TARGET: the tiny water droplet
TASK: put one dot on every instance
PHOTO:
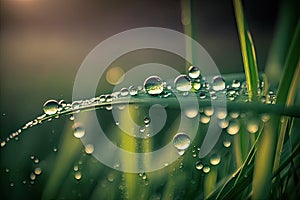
(199, 165)
(252, 125)
(124, 92)
(181, 141)
(206, 169)
(89, 149)
(50, 107)
(208, 111)
(153, 85)
(77, 175)
(133, 90)
(75, 168)
(215, 159)
(38, 171)
(196, 84)
(218, 83)
(236, 84)
(194, 72)
(78, 130)
(226, 143)
(147, 120)
(265, 117)
(204, 119)
(183, 83)
(32, 176)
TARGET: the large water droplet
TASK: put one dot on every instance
(218, 83)
(153, 85)
(183, 83)
(194, 72)
(181, 141)
(78, 130)
(50, 107)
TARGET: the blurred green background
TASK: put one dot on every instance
(43, 43)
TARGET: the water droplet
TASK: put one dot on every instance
(234, 115)
(236, 84)
(133, 90)
(233, 127)
(32, 176)
(3, 143)
(252, 125)
(6, 170)
(196, 84)
(221, 113)
(181, 141)
(191, 112)
(223, 123)
(124, 92)
(265, 117)
(202, 95)
(153, 85)
(204, 119)
(183, 83)
(199, 165)
(89, 149)
(50, 107)
(36, 160)
(208, 111)
(38, 171)
(206, 169)
(75, 168)
(226, 143)
(194, 72)
(215, 159)
(218, 83)
(78, 130)
(147, 120)
(77, 175)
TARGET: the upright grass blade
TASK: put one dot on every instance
(266, 157)
(248, 51)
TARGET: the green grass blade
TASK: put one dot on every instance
(266, 156)
(248, 51)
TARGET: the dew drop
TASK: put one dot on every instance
(252, 125)
(124, 92)
(265, 117)
(236, 84)
(204, 119)
(153, 85)
(233, 127)
(77, 175)
(199, 165)
(183, 83)
(218, 83)
(89, 149)
(215, 159)
(191, 112)
(226, 143)
(181, 141)
(194, 72)
(208, 111)
(50, 107)
(32, 176)
(75, 168)
(133, 90)
(78, 130)
(38, 171)
(147, 120)
(196, 84)
(206, 169)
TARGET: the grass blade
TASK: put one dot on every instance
(248, 51)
